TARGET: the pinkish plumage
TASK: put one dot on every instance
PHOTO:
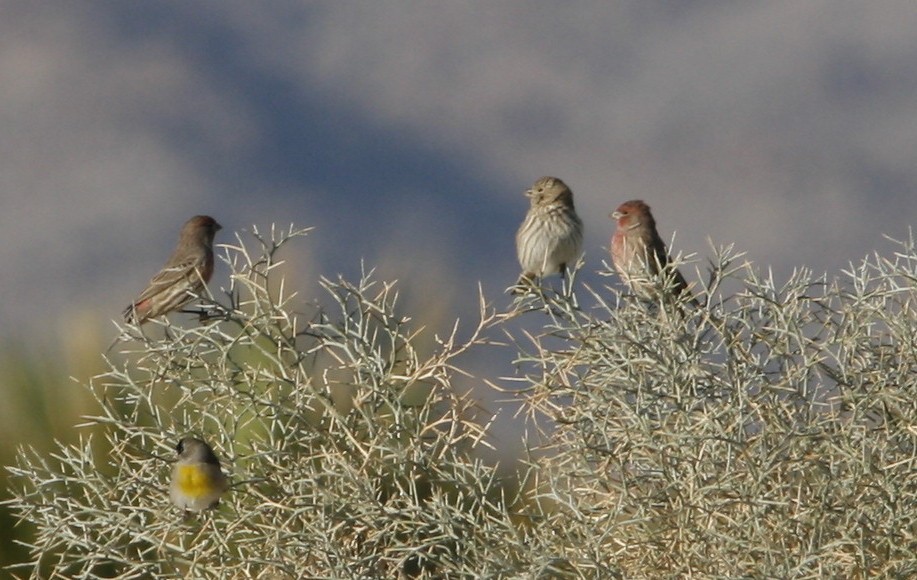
(639, 254)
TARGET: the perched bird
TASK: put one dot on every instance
(183, 277)
(551, 237)
(640, 255)
(197, 480)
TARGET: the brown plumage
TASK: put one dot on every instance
(550, 239)
(639, 254)
(183, 277)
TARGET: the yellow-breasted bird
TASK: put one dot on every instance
(198, 482)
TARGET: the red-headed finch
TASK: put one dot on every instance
(551, 238)
(183, 277)
(640, 255)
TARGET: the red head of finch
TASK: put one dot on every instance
(639, 254)
(550, 239)
(184, 276)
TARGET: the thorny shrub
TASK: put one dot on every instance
(770, 432)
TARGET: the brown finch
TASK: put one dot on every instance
(184, 276)
(640, 255)
(551, 238)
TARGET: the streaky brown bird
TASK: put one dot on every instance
(184, 276)
(550, 239)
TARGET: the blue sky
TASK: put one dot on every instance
(406, 132)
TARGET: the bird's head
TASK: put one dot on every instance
(633, 213)
(202, 228)
(550, 190)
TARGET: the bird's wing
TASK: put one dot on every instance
(660, 255)
(171, 274)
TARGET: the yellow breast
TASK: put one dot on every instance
(195, 480)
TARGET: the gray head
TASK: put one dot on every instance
(194, 450)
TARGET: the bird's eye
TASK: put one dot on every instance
(180, 447)
(540, 190)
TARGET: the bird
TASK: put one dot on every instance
(184, 276)
(198, 482)
(639, 254)
(550, 238)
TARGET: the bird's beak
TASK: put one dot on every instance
(615, 215)
(528, 193)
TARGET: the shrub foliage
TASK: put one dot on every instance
(769, 433)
